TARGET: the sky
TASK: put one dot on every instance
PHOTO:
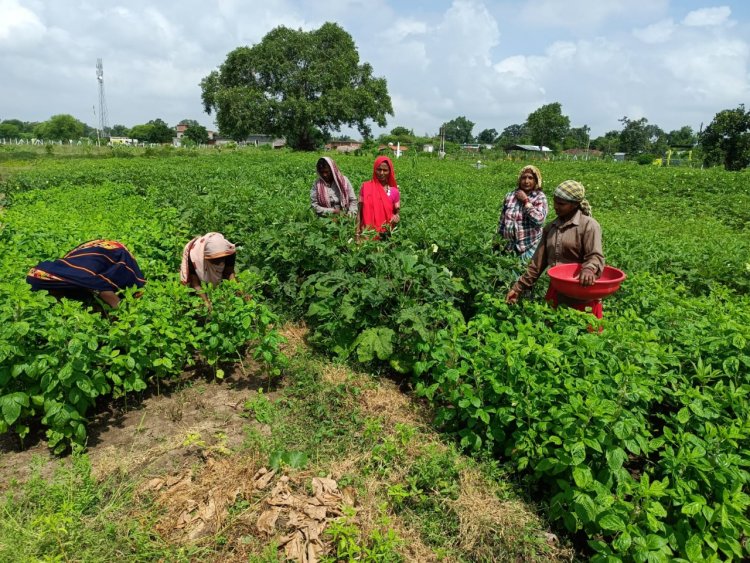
(673, 62)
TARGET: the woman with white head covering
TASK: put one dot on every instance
(207, 259)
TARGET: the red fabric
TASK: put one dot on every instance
(596, 306)
(377, 207)
(391, 177)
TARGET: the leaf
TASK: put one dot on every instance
(622, 542)
(694, 548)
(655, 543)
(546, 464)
(274, 461)
(374, 342)
(578, 453)
(585, 507)
(11, 406)
(615, 458)
(582, 477)
(683, 415)
(612, 522)
(692, 508)
(296, 460)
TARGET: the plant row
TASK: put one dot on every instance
(59, 358)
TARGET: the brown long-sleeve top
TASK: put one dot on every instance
(579, 239)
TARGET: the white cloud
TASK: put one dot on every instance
(19, 25)
(707, 17)
(714, 71)
(493, 61)
(404, 28)
(583, 14)
(659, 32)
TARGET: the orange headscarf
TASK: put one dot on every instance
(377, 208)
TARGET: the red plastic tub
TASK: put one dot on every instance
(564, 278)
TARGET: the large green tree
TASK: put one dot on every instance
(402, 132)
(634, 137)
(684, 136)
(61, 127)
(296, 84)
(727, 139)
(119, 131)
(155, 131)
(161, 132)
(516, 134)
(487, 136)
(547, 125)
(609, 143)
(9, 131)
(197, 133)
(577, 138)
(458, 130)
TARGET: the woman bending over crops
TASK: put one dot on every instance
(522, 218)
(332, 192)
(207, 259)
(97, 268)
(379, 199)
(573, 237)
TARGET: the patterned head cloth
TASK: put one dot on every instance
(570, 190)
(200, 251)
(535, 171)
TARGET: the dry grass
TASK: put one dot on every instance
(491, 528)
(195, 509)
(295, 335)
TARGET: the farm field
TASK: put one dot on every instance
(635, 440)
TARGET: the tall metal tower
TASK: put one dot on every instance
(103, 117)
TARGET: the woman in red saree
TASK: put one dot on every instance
(379, 199)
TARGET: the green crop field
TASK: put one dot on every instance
(636, 438)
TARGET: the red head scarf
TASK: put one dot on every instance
(377, 208)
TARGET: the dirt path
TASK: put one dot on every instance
(162, 433)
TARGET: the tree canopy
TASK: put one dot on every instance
(684, 136)
(547, 125)
(401, 132)
(197, 134)
(155, 131)
(9, 131)
(458, 130)
(577, 138)
(61, 127)
(296, 84)
(727, 139)
(487, 136)
(514, 135)
(119, 131)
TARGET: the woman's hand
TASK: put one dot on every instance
(587, 277)
(512, 297)
(395, 219)
(522, 196)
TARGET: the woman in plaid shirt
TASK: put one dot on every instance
(524, 211)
